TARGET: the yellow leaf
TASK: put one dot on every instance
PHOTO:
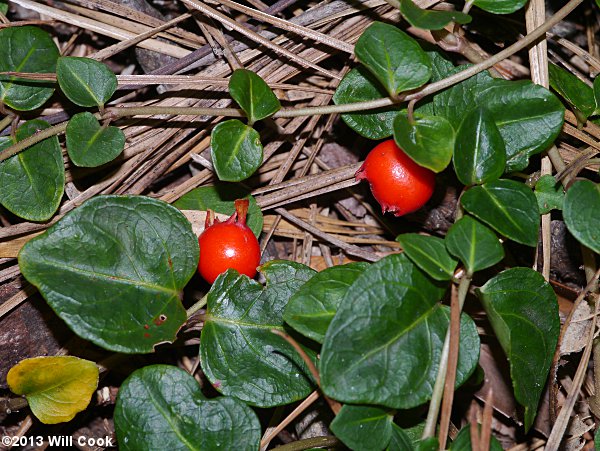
(56, 388)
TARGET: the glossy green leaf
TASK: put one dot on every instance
(581, 212)
(359, 85)
(86, 82)
(528, 116)
(236, 150)
(596, 96)
(550, 194)
(384, 343)
(162, 407)
(453, 103)
(113, 269)
(400, 440)
(220, 198)
(311, 309)
(523, 311)
(474, 244)
(57, 388)
(26, 49)
(239, 354)
(462, 442)
(572, 89)
(365, 428)
(253, 95)
(500, 6)
(33, 181)
(89, 144)
(430, 19)
(393, 57)
(507, 206)
(428, 253)
(3, 6)
(429, 141)
(428, 444)
(479, 152)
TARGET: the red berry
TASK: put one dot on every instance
(399, 184)
(228, 245)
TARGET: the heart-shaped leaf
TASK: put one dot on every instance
(474, 244)
(500, 6)
(33, 181)
(86, 82)
(507, 206)
(26, 49)
(428, 140)
(572, 89)
(253, 95)
(479, 153)
(429, 19)
(400, 440)
(239, 354)
(581, 212)
(428, 253)
(523, 311)
(113, 270)
(360, 85)
(162, 407)
(311, 308)
(550, 194)
(57, 388)
(89, 144)
(220, 198)
(236, 150)
(385, 341)
(528, 116)
(365, 428)
(393, 57)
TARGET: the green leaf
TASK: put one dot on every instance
(86, 82)
(523, 311)
(162, 407)
(462, 442)
(57, 388)
(253, 95)
(384, 343)
(3, 6)
(363, 427)
(479, 152)
(26, 49)
(400, 440)
(236, 150)
(90, 145)
(220, 198)
(311, 309)
(507, 206)
(359, 85)
(596, 96)
(393, 57)
(428, 444)
(528, 116)
(572, 89)
(113, 269)
(430, 19)
(597, 435)
(33, 181)
(239, 354)
(581, 212)
(474, 244)
(428, 253)
(429, 141)
(500, 6)
(550, 194)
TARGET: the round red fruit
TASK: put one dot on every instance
(399, 184)
(228, 245)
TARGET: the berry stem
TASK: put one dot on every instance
(241, 210)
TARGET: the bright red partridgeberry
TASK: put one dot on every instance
(399, 184)
(228, 245)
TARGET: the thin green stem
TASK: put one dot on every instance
(308, 443)
(438, 388)
(6, 122)
(31, 140)
(197, 306)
